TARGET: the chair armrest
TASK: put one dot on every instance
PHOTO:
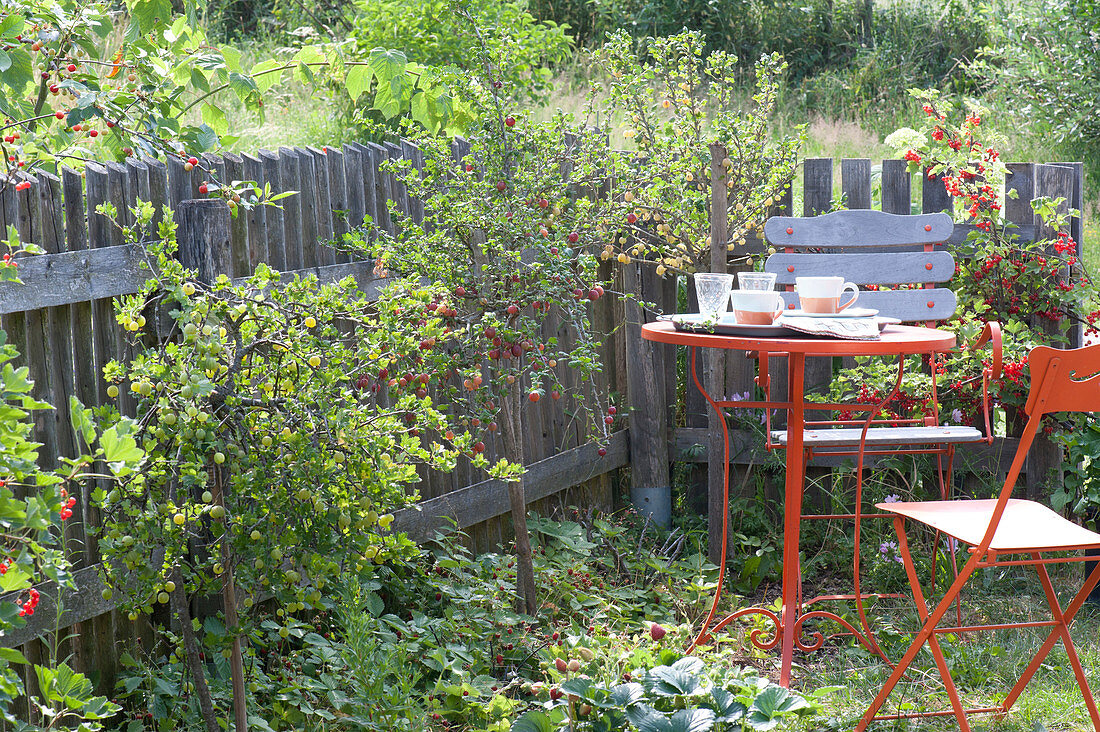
(991, 334)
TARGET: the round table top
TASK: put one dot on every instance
(894, 339)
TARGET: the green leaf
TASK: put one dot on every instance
(5, 61)
(648, 719)
(242, 85)
(11, 655)
(358, 80)
(624, 695)
(534, 721)
(692, 720)
(19, 71)
(375, 604)
(672, 681)
(120, 451)
(580, 686)
(771, 705)
(264, 75)
(11, 25)
(387, 65)
(232, 58)
(149, 15)
(16, 578)
(215, 117)
(81, 419)
(726, 706)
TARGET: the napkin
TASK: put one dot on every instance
(855, 329)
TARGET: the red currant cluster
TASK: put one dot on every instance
(67, 509)
(27, 609)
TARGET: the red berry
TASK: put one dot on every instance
(59, 115)
(609, 419)
(573, 237)
(631, 218)
(193, 160)
(501, 185)
(561, 665)
(110, 124)
(479, 447)
(534, 396)
(543, 203)
(469, 167)
(513, 309)
(555, 394)
(77, 128)
(602, 451)
(93, 133)
(593, 295)
(54, 88)
(510, 121)
(612, 410)
(71, 68)
(203, 189)
(656, 632)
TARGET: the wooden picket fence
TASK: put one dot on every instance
(62, 320)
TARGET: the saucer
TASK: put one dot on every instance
(846, 313)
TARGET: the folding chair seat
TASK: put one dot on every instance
(1006, 532)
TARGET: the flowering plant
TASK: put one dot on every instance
(1038, 289)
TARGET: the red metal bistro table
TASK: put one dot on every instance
(895, 340)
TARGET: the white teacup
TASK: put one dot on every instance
(756, 307)
(822, 294)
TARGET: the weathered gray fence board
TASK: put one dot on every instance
(233, 170)
(290, 179)
(855, 182)
(275, 215)
(252, 168)
(338, 198)
(897, 195)
(322, 212)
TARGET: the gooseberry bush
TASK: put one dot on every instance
(509, 228)
(677, 101)
(283, 423)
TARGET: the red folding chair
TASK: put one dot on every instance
(1007, 532)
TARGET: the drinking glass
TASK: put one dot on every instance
(713, 291)
(756, 280)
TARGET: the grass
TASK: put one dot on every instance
(984, 665)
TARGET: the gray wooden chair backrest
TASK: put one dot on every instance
(869, 247)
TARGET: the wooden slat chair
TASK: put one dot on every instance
(1002, 533)
(872, 248)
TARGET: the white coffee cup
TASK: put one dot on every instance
(822, 294)
(756, 307)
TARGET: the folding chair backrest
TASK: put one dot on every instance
(873, 248)
(1063, 380)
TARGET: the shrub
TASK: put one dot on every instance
(438, 33)
(283, 423)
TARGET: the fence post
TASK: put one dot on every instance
(203, 237)
(714, 362)
(650, 485)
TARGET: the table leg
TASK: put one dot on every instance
(792, 512)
